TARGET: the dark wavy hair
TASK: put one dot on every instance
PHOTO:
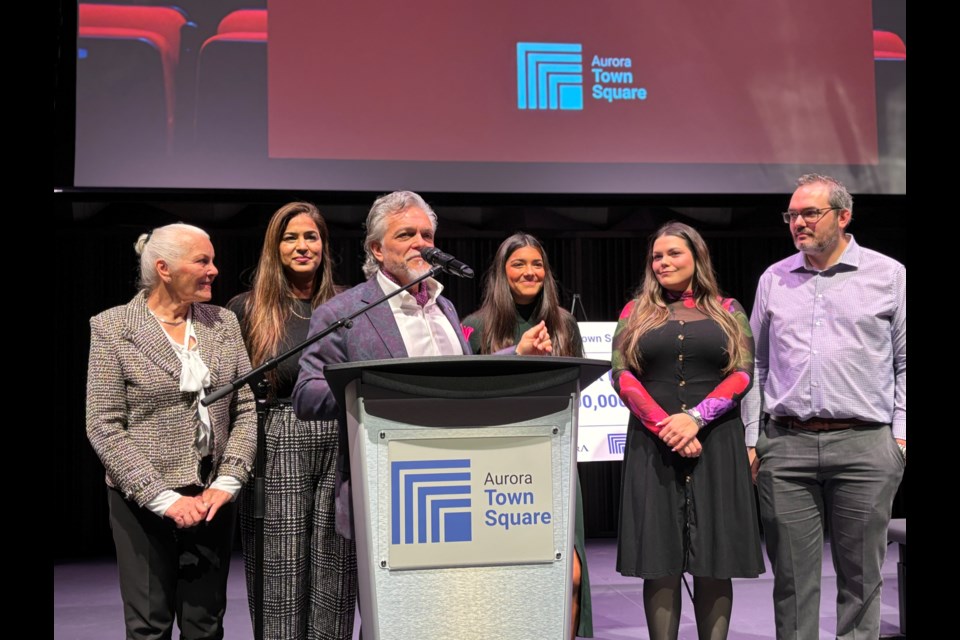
(271, 300)
(498, 312)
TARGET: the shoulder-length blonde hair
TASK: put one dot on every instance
(650, 309)
(271, 300)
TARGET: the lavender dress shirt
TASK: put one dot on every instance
(831, 343)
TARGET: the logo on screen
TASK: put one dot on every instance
(617, 442)
(549, 76)
(430, 501)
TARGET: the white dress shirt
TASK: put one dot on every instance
(426, 331)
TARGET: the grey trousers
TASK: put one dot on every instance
(845, 480)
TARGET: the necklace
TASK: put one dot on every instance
(172, 323)
(293, 310)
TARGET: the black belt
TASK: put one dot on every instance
(821, 424)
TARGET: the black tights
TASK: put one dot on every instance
(712, 603)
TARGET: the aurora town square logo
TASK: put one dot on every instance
(549, 76)
(430, 501)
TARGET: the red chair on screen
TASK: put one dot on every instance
(888, 46)
(120, 35)
(244, 21)
(231, 111)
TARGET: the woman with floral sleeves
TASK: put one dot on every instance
(682, 359)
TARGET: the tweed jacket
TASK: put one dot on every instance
(374, 336)
(140, 423)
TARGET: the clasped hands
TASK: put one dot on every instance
(535, 341)
(679, 432)
(190, 511)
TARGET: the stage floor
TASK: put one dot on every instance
(87, 601)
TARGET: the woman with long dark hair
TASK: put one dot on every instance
(682, 359)
(309, 570)
(519, 293)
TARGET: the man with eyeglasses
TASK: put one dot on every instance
(826, 419)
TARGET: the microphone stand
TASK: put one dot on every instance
(261, 392)
(258, 384)
(574, 304)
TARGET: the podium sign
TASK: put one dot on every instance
(471, 502)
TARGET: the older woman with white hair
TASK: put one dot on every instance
(173, 466)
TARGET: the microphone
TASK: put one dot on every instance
(445, 261)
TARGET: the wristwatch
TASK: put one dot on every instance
(693, 413)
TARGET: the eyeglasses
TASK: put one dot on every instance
(809, 216)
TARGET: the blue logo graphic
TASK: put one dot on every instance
(616, 442)
(430, 501)
(549, 76)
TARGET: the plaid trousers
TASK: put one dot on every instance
(309, 570)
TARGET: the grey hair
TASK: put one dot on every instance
(163, 243)
(839, 196)
(377, 222)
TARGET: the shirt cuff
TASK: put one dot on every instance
(229, 484)
(162, 502)
(751, 434)
(900, 431)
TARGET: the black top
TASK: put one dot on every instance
(473, 328)
(295, 332)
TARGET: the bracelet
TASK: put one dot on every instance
(693, 413)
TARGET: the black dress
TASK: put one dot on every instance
(694, 515)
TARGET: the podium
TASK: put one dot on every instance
(462, 479)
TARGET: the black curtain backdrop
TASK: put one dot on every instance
(596, 246)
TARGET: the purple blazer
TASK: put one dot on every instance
(374, 336)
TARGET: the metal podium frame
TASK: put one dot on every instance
(465, 403)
